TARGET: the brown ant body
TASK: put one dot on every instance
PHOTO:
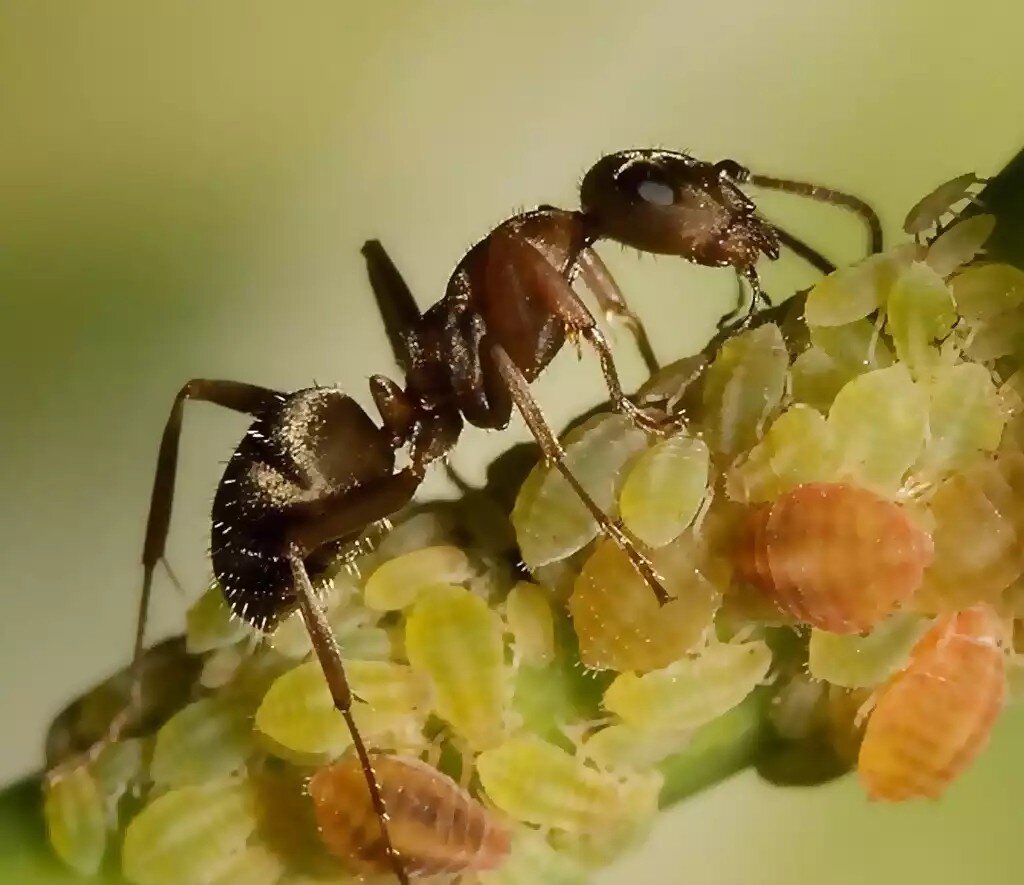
(314, 471)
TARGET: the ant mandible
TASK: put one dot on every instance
(314, 471)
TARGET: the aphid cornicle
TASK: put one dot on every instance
(314, 471)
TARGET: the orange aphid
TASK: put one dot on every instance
(435, 825)
(933, 718)
(835, 556)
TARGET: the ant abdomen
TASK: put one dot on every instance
(671, 204)
(296, 458)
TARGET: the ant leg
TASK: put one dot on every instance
(554, 455)
(599, 281)
(395, 301)
(238, 397)
(828, 195)
(808, 253)
(329, 655)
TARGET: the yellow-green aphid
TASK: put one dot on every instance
(855, 348)
(664, 489)
(188, 835)
(864, 661)
(354, 629)
(691, 691)
(851, 293)
(76, 819)
(620, 746)
(455, 641)
(799, 447)
(210, 624)
(117, 766)
(879, 421)
(550, 521)
(920, 313)
(743, 386)
(958, 244)
(253, 865)
(798, 708)
(208, 739)
(222, 665)
(965, 417)
(815, 379)
(298, 712)
(532, 624)
(398, 582)
(539, 783)
(532, 861)
(987, 291)
(928, 211)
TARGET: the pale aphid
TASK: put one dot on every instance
(928, 211)
(815, 379)
(76, 819)
(618, 620)
(798, 447)
(538, 783)
(397, 583)
(864, 661)
(880, 421)
(854, 347)
(664, 489)
(117, 767)
(987, 291)
(354, 629)
(209, 739)
(930, 720)
(851, 293)
(832, 555)
(210, 624)
(299, 714)
(978, 552)
(185, 835)
(797, 710)
(920, 313)
(743, 386)
(550, 520)
(965, 418)
(222, 665)
(455, 641)
(436, 827)
(533, 861)
(1001, 337)
(959, 244)
(692, 691)
(253, 865)
(532, 624)
(620, 746)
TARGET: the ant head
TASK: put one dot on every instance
(670, 203)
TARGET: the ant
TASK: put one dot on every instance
(314, 471)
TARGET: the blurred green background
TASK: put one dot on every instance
(183, 191)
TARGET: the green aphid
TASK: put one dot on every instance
(856, 661)
(117, 767)
(743, 387)
(855, 348)
(852, 293)
(211, 625)
(455, 641)
(691, 691)
(533, 861)
(538, 783)
(988, 292)
(253, 865)
(397, 583)
(920, 313)
(76, 819)
(665, 488)
(551, 522)
(621, 746)
(959, 244)
(298, 712)
(189, 835)
(208, 739)
(532, 624)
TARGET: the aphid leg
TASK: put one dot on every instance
(599, 281)
(395, 302)
(234, 395)
(827, 195)
(555, 456)
(329, 655)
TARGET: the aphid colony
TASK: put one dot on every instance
(838, 525)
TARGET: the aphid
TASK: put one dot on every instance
(453, 639)
(76, 819)
(835, 556)
(532, 860)
(692, 691)
(919, 313)
(986, 291)
(536, 782)
(435, 825)
(189, 834)
(253, 865)
(314, 472)
(928, 211)
(959, 244)
(620, 746)
(398, 582)
(864, 661)
(619, 623)
(208, 739)
(532, 624)
(932, 719)
(210, 624)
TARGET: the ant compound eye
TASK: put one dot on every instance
(648, 183)
(656, 192)
(732, 170)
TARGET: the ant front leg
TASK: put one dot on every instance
(740, 318)
(519, 388)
